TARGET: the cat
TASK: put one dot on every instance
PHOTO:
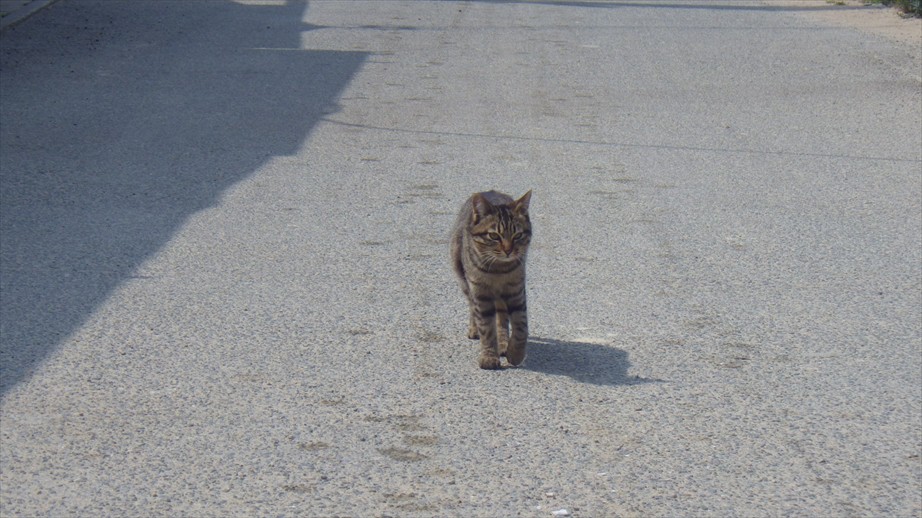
(489, 243)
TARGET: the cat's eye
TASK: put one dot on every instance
(494, 236)
(518, 236)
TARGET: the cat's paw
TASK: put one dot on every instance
(472, 333)
(489, 362)
(515, 355)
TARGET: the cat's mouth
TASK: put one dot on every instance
(501, 257)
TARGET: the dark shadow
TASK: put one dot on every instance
(584, 362)
(120, 120)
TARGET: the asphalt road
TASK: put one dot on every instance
(225, 279)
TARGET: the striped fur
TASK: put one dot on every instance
(488, 248)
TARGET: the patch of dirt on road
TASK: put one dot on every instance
(875, 19)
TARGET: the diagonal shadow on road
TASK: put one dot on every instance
(596, 364)
(120, 120)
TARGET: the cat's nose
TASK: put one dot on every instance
(507, 247)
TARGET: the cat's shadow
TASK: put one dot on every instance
(597, 364)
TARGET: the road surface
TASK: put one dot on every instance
(225, 277)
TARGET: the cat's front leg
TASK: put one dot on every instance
(484, 313)
(518, 318)
(502, 326)
(502, 331)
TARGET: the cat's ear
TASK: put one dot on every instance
(481, 207)
(521, 205)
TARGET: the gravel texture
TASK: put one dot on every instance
(225, 280)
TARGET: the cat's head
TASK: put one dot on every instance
(501, 231)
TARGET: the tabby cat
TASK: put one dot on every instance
(488, 247)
